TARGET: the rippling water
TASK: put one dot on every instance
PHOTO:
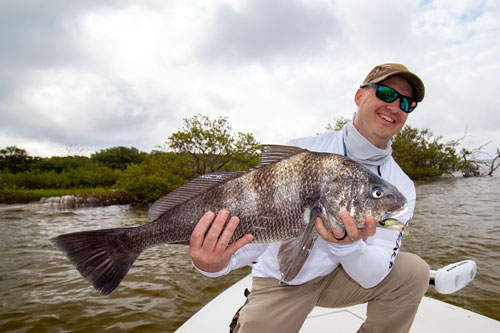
(40, 291)
(456, 219)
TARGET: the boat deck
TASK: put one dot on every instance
(432, 316)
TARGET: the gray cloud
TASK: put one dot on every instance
(100, 74)
(39, 36)
(44, 33)
(115, 116)
(263, 30)
(35, 35)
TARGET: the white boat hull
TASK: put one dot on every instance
(432, 316)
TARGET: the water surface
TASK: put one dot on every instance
(40, 291)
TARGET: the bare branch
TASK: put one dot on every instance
(493, 167)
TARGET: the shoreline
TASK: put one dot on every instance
(66, 197)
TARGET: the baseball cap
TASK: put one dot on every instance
(383, 72)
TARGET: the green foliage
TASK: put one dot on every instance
(421, 155)
(118, 158)
(159, 174)
(92, 176)
(339, 123)
(203, 146)
(468, 164)
(200, 147)
(60, 163)
(213, 146)
(85, 177)
(14, 159)
(31, 180)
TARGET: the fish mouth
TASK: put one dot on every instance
(389, 220)
(395, 214)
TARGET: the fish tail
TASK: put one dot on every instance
(101, 256)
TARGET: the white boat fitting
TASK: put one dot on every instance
(432, 315)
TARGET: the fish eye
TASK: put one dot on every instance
(377, 192)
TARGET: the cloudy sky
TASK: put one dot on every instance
(80, 76)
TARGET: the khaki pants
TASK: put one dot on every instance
(392, 304)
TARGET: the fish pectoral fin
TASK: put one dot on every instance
(293, 253)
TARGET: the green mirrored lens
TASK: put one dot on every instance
(404, 104)
(387, 94)
(407, 104)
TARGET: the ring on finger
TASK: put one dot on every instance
(341, 238)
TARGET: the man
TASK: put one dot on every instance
(343, 268)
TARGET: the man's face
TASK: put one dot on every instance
(377, 120)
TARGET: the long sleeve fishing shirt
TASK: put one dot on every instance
(367, 261)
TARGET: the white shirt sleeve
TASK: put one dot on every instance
(243, 257)
(368, 261)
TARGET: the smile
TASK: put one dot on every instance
(387, 118)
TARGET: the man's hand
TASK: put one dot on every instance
(353, 233)
(210, 251)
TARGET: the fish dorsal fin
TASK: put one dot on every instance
(275, 153)
(189, 191)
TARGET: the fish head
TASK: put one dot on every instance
(364, 195)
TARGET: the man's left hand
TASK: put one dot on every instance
(353, 233)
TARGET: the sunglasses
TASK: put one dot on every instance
(389, 95)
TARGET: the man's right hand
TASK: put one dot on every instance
(209, 247)
(351, 231)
